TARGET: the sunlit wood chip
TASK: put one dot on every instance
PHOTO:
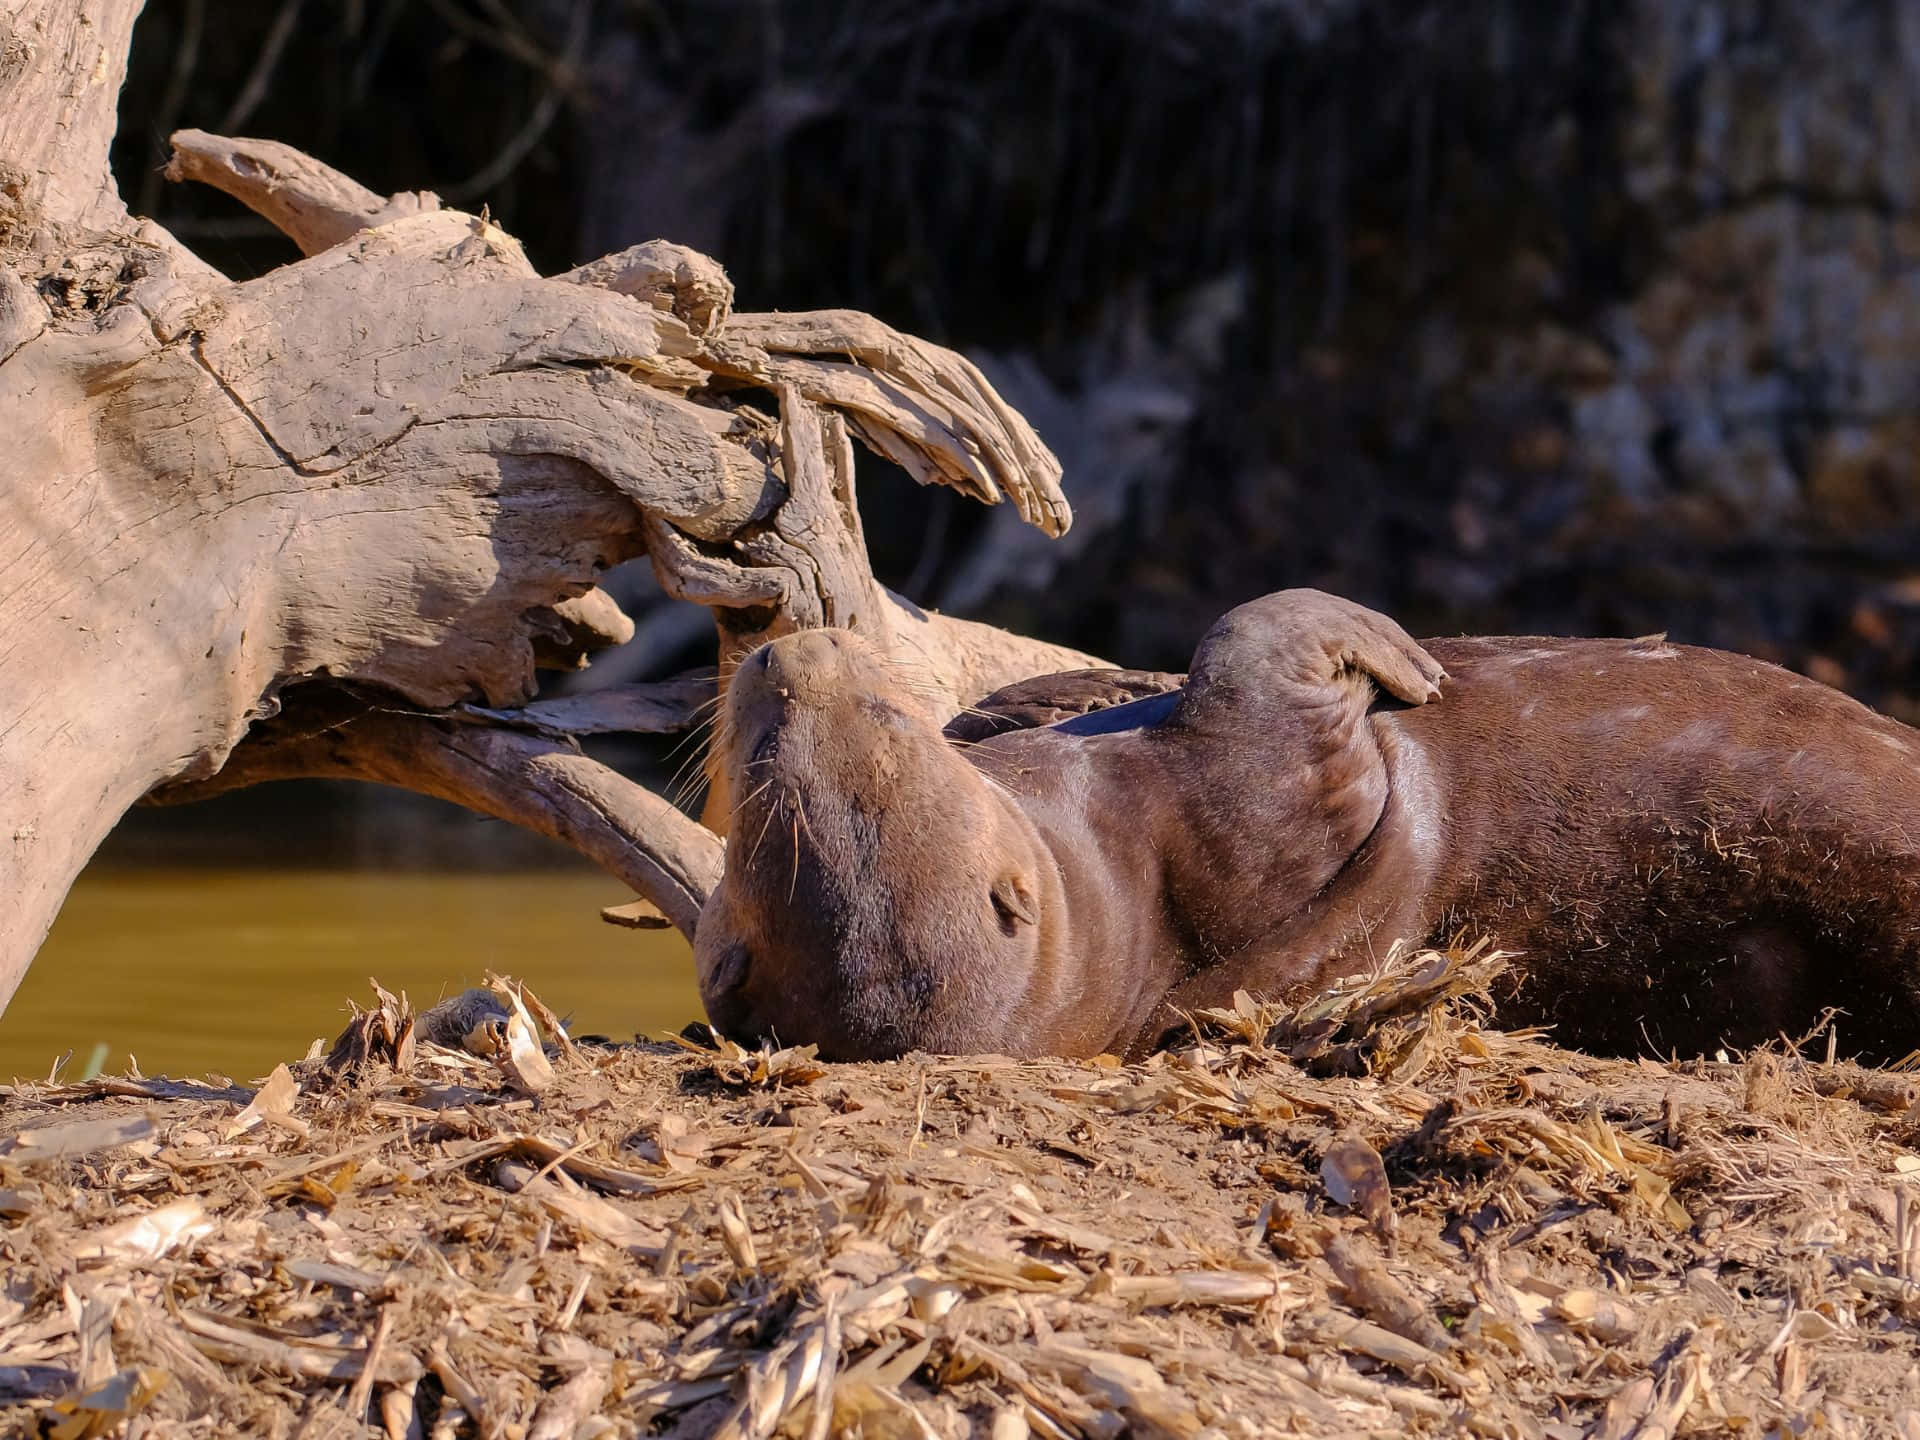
(521, 1057)
(83, 1137)
(106, 1406)
(735, 1231)
(149, 1236)
(273, 1102)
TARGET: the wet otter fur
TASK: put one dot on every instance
(1685, 848)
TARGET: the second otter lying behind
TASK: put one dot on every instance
(1686, 848)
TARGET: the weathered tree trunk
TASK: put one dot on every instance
(377, 482)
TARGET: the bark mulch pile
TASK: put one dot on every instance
(1377, 1215)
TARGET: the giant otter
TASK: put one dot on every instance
(1685, 848)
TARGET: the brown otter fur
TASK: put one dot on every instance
(1688, 848)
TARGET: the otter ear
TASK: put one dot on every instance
(1014, 901)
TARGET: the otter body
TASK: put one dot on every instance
(1685, 848)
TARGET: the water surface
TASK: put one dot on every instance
(195, 970)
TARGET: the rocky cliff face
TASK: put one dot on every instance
(1739, 423)
(1654, 362)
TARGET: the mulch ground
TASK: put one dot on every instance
(1379, 1215)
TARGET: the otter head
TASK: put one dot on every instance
(880, 894)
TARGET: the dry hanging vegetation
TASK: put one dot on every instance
(1375, 1216)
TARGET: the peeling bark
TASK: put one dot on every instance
(375, 488)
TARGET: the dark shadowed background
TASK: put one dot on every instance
(1501, 316)
(1573, 317)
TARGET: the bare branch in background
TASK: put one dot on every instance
(268, 60)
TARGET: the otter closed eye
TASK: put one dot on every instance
(727, 967)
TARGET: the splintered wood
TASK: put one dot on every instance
(1372, 1216)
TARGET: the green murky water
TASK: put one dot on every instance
(231, 971)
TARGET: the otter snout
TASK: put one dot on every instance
(809, 667)
(784, 679)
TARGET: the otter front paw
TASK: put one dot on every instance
(1398, 663)
(1307, 640)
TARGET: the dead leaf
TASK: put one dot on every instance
(108, 1405)
(520, 1055)
(1356, 1177)
(273, 1102)
(636, 915)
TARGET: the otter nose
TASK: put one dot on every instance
(803, 665)
(774, 671)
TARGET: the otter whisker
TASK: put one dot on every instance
(732, 659)
(980, 750)
(906, 639)
(800, 808)
(685, 787)
(687, 791)
(693, 746)
(997, 783)
(717, 694)
(690, 776)
(751, 796)
(802, 823)
(691, 736)
(984, 760)
(967, 742)
(913, 677)
(772, 810)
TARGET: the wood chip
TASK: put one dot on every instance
(588, 1213)
(81, 1137)
(845, 1250)
(273, 1102)
(636, 915)
(290, 1357)
(106, 1406)
(520, 1055)
(20, 1200)
(148, 1236)
(1196, 1287)
(1128, 1385)
(344, 1277)
(737, 1233)
(1380, 1297)
(1601, 1314)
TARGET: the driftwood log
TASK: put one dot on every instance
(325, 522)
